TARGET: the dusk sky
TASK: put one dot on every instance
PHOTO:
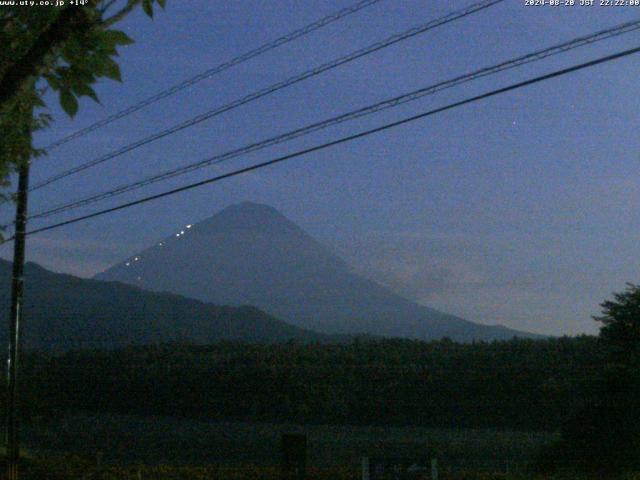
(522, 210)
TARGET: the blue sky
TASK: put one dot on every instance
(522, 210)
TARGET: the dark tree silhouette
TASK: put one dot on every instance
(604, 436)
(620, 321)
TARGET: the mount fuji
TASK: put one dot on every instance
(250, 254)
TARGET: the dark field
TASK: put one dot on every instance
(131, 440)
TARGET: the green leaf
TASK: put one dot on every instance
(147, 6)
(72, 50)
(52, 80)
(69, 102)
(82, 74)
(111, 70)
(116, 37)
(84, 89)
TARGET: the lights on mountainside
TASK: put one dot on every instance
(139, 278)
(181, 232)
(136, 259)
(161, 244)
(127, 264)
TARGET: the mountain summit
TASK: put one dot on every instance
(251, 254)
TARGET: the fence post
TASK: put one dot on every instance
(365, 468)
(293, 450)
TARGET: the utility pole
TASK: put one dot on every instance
(17, 290)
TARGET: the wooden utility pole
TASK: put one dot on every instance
(17, 290)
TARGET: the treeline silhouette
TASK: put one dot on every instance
(517, 384)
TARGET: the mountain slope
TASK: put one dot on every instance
(251, 254)
(62, 312)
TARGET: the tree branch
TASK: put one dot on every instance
(126, 10)
(107, 6)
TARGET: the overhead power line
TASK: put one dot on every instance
(342, 140)
(368, 110)
(392, 40)
(318, 24)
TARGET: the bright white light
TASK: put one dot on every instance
(182, 232)
(127, 264)
(177, 234)
(189, 226)
(136, 259)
